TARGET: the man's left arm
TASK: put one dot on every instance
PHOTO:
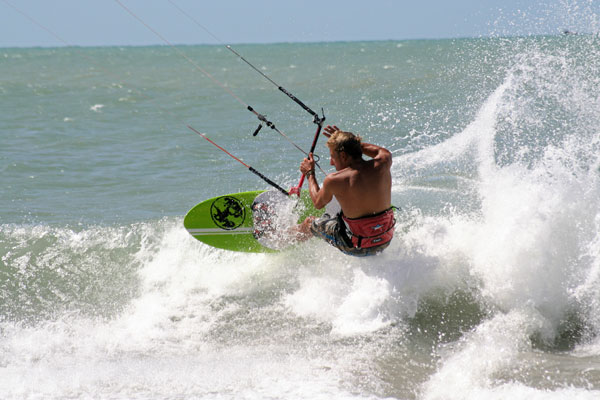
(320, 196)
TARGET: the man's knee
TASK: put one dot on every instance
(305, 226)
(303, 231)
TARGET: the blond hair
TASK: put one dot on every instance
(347, 142)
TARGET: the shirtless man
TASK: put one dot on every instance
(365, 226)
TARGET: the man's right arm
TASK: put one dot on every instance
(378, 153)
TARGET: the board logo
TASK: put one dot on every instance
(227, 212)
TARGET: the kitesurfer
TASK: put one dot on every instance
(365, 224)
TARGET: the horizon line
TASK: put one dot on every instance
(561, 33)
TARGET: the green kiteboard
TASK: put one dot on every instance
(231, 222)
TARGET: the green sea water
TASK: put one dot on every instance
(489, 289)
(98, 135)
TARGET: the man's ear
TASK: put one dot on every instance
(344, 157)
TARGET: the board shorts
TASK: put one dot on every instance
(337, 232)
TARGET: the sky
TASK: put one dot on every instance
(49, 23)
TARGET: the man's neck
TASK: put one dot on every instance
(355, 163)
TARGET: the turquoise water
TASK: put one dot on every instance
(110, 123)
(489, 290)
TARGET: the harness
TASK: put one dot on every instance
(370, 231)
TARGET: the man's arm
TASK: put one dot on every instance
(320, 196)
(378, 153)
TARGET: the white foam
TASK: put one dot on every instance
(473, 368)
(492, 347)
(533, 240)
(476, 139)
(353, 304)
(160, 345)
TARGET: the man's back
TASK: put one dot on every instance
(364, 187)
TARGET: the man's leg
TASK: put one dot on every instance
(302, 231)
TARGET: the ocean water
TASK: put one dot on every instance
(490, 289)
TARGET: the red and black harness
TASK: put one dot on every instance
(369, 231)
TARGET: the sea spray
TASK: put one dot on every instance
(488, 288)
(48, 271)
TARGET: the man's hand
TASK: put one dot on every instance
(308, 164)
(330, 130)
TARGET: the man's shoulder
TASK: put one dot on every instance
(340, 175)
(337, 179)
